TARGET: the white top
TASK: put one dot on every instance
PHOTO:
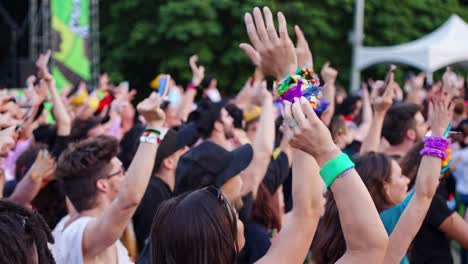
(67, 248)
(461, 171)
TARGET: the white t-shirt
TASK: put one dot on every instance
(67, 248)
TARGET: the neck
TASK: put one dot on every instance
(96, 211)
(400, 149)
(219, 139)
(168, 177)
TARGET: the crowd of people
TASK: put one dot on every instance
(380, 176)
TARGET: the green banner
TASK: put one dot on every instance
(70, 42)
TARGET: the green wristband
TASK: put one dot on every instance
(335, 167)
(157, 132)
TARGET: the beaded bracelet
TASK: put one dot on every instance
(303, 82)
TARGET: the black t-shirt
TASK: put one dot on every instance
(156, 193)
(277, 172)
(430, 245)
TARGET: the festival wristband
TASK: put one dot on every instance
(335, 167)
(154, 131)
(191, 86)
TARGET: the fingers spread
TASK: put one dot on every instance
(260, 25)
(251, 53)
(282, 26)
(270, 25)
(252, 31)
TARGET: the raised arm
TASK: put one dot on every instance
(361, 132)
(108, 228)
(427, 181)
(198, 73)
(294, 240)
(27, 189)
(381, 105)
(364, 233)
(329, 89)
(262, 144)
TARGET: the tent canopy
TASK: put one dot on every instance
(445, 46)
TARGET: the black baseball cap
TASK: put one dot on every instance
(210, 164)
(174, 140)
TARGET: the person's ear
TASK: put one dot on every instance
(168, 163)
(218, 126)
(102, 185)
(411, 134)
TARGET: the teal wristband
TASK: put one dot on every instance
(335, 167)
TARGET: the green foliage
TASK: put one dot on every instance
(140, 38)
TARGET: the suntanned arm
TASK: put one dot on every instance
(372, 141)
(456, 228)
(28, 188)
(411, 220)
(262, 148)
(329, 89)
(61, 115)
(294, 240)
(108, 228)
(198, 73)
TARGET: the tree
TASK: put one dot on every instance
(140, 38)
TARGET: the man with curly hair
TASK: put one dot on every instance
(103, 195)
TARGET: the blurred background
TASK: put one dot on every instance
(134, 40)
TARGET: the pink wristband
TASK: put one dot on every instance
(191, 86)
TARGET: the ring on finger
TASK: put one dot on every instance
(292, 123)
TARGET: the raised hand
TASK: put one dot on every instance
(42, 63)
(417, 82)
(309, 133)
(43, 167)
(151, 111)
(198, 72)
(383, 102)
(328, 73)
(272, 54)
(441, 109)
(303, 53)
(7, 140)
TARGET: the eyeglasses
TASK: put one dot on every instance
(120, 172)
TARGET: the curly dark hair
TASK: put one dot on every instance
(82, 165)
(23, 231)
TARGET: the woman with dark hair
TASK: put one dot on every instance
(25, 236)
(401, 214)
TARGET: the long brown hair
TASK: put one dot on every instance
(329, 244)
(264, 210)
(375, 169)
(197, 227)
(410, 163)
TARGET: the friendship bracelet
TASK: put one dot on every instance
(340, 165)
(150, 130)
(303, 82)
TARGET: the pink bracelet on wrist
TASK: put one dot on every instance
(191, 86)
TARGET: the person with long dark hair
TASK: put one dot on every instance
(401, 214)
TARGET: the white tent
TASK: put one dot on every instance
(446, 45)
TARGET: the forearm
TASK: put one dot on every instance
(186, 106)
(138, 174)
(26, 190)
(60, 113)
(363, 129)
(329, 96)
(412, 218)
(263, 148)
(296, 236)
(363, 231)
(372, 141)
